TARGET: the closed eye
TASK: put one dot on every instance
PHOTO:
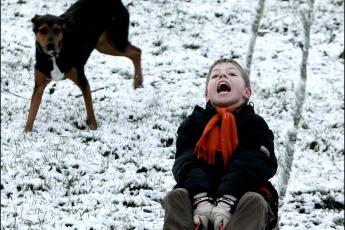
(43, 31)
(227, 75)
(57, 31)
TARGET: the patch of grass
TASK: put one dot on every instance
(183, 115)
(281, 89)
(167, 142)
(17, 14)
(196, 35)
(314, 145)
(79, 126)
(160, 51)
(142, 170)
(191, 46)
(138, 118)
(156, 126)
(106, 153)
(70, 182)
(305, 126)
(127, 75)
(328, 202)
(339, 221)
(135, 187)
(158, 43)
(218, 15)
(90, 139)
(159, 169)
(52, 89)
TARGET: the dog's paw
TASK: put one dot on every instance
(93, 126)
(138, 82)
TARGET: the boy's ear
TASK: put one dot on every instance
(247, 93)
(206, 94)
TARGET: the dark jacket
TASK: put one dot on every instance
(248, 169)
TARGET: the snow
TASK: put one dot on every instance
(64, 176)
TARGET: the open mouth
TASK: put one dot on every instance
(223, 86)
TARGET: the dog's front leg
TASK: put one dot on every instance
(79, 78)
(41, 81)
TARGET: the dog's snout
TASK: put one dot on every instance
(50, 47)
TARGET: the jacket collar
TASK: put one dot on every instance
(209, 108)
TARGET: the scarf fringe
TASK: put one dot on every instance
(204, 154)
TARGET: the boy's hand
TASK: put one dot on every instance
(202, 205)
(222, 212)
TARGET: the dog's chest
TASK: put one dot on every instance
(56, 74)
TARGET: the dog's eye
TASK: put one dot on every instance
(57, 31)
(43, 31)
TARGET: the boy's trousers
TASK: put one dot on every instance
(252, 212)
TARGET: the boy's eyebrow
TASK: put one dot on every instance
(230, 68)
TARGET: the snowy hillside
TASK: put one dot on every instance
(64, 176)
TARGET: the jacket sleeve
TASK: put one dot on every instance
(187, 170)
(254, 162)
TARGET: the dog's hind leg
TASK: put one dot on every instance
(78, 77)
(41, 81)
(106, 46)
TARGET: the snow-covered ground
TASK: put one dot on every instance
(64, 176)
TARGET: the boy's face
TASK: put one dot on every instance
(226, 87)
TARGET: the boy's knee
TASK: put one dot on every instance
(253, 198)
(175, 195)
(178, 210)
(177, 192)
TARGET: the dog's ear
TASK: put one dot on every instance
(34, 18)
(34, 21)
(62, 21)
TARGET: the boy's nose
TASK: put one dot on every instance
(222, 75)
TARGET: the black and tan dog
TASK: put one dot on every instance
(64, 44)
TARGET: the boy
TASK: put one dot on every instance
(224, 159)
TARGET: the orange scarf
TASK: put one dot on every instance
(218, 138)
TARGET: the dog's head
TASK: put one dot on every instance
(49, 32)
